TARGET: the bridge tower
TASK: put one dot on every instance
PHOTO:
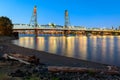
(67, 20)
(33, 21)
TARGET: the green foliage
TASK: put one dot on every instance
(33, 77)
(6, 26)
(54, 78)
(53, 25)
(91, 73)
(4, 77)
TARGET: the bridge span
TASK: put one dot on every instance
(78, 31)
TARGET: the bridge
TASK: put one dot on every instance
(28, 29)
(34, 28)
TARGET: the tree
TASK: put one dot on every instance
(53, 25)
(6, 26)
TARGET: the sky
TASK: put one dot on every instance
(87, 13)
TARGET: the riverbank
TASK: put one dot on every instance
(49, 59)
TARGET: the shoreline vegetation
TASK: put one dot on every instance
(52, 61)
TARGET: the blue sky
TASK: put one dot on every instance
(88, 13)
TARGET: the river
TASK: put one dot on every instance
(102, 49)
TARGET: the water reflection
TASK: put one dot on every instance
(103, 47)
(99, 49)
(70, 46)
(94, 49)
(63, 46)
(82, 44)
(111, 49)
(52, 44)
(118, 45)
(40, 42)
(26, 41)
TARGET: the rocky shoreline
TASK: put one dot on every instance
(53, 60)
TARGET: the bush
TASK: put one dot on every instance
(6, 26)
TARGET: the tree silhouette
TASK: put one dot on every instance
(6, 26)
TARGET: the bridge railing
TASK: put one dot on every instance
(26, 26)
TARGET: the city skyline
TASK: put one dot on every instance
(95, 13)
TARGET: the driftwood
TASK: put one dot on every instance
(80, 70)
(66, 69)
(22, 58)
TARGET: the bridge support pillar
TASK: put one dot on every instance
(36, 32)
(65, 32)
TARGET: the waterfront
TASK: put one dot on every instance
(102, 49)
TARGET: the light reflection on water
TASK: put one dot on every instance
(103, 49)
